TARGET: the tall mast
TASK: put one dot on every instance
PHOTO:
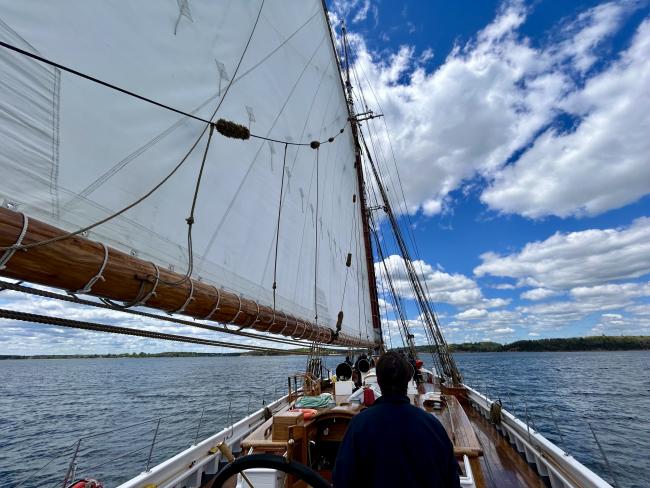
(370, 264)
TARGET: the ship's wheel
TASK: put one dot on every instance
(270, 461)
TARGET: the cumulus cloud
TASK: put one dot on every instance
(538, 294)
(497, 94)
(604, 163)
(455, 288)
(586, 258)
(472, 313)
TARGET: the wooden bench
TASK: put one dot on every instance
(460, 429)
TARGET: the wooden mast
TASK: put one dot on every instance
(370, 264)
(72, 263)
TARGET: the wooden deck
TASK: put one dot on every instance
(500, 466)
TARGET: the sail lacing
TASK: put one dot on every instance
(9, 251)
(87, 288)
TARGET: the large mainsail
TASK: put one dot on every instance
(74, 152)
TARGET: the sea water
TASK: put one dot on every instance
(46, 406)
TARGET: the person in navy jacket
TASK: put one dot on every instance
(393, 443)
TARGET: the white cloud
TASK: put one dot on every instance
(538, 294)
(358, 10)
(472, 313)
(504, 330)
(455, 289)
(604, 163)
(493, 95)
(585, 258)
(613, 291)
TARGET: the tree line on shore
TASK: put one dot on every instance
(593, 343)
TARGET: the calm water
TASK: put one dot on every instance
(46, 405)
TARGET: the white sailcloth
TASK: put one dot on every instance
(73, 152)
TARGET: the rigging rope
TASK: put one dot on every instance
(277, 229)
(108, 306)
(316, 147)
(154, 102)
(114, 329)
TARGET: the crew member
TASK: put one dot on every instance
(393, 443)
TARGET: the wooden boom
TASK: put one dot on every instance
(71, 263)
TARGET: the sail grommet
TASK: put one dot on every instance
(314, 144)
(99, 276)
(10, 251)
(190, 298)
(216, 306)
(233, 130)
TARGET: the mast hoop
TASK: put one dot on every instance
(11, 250)
(99, 276)
(190, 298)
(216, 306)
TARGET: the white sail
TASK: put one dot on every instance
(73, 152)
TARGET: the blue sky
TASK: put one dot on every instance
(521, 132)
(521, 136)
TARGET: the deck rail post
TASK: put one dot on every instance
(527, 420)
(557, 427)
(72, 466)
(153, 442)
(198, 427)
(602, 452)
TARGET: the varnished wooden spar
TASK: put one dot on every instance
(70, 263)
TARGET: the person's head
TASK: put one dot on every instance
(393, 373)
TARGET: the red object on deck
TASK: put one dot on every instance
(308, 413)
(419, 363)
(368, 397)
(89, 483)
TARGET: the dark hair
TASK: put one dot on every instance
(393, 373)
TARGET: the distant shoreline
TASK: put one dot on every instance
(573, 344)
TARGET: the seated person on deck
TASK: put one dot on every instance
(393, 443)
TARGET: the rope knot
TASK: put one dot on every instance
(331, 139)
(314, 144)
(231, 129)
(190, 220)
(341, 131)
